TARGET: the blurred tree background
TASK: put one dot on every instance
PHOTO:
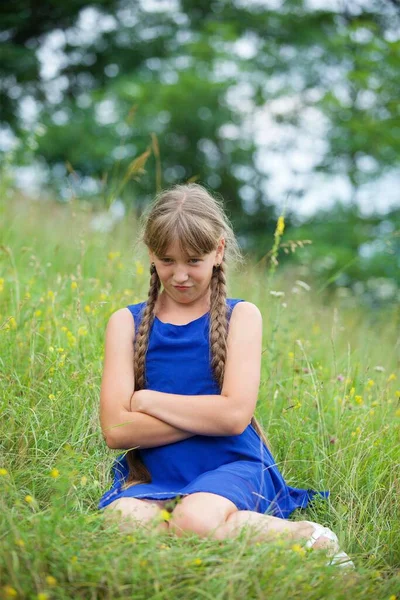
(258, 100)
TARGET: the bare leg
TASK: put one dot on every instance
(132, 513)
(266, 528)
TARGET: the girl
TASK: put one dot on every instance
(180, 384)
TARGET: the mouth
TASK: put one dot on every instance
(181, 287)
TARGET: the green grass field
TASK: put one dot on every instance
(328, 401)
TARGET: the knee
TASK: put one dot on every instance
(136, 511)
(185, 520)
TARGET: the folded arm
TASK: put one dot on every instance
(138, 430)
(230, 412)
(122, 428)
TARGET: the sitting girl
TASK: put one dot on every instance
(180, 385)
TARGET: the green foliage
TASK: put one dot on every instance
(182, 70)
(328, 401)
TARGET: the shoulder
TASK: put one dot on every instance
(245, 321)
(121, 322)
(244, 311)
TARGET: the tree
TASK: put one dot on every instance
(206, 78)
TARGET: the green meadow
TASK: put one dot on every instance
(328, 401)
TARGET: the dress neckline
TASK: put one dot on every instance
(183, 324)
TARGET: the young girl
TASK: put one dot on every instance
(180, 384)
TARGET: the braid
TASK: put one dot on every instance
(142, 338)
(218, 322)
(219, 334)
(138, 473)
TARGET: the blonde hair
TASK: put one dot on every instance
(189, 214)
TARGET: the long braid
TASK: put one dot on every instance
(138, 473)
(219, 334)
(218, 322)
(142, 338)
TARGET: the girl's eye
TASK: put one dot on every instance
(194, 260)
(166, 260)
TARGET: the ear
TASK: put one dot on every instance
(220, 251)
(152, 256)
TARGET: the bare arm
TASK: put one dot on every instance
(230, 412)
(144, 431)
(120, 427)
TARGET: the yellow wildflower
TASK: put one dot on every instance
(12, 323)
(359, 400)
(370, 383)
(397, 393)
(28, 499)
(74, 559)
(50, 295)
(71, 339)
(74, 285)
(374, 403)
(64, 329)
(120, 265)
(299, 549)
(42, 596)
(10, 592)
(197, 561)
(52, 397)
(139, 268)
(280, 227)
(27, 296)
(20, 543)
(87, 309)
(351, 393)
(371, 412)
(1, 284)
(392, 377)
(38, 313)
(3, 472)
(60, 350)
(397, 413)
(143, 563)
(83, 480)
(165, 515)
(392, 597)
(82, 331)
(356, 432)
(50, 580)
(112, 255)
(291, 355)
(54, 473)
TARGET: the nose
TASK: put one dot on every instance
(180, 274)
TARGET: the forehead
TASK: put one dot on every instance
(175, 250)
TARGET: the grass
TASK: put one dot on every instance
(328, 401)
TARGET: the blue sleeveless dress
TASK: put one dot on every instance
(237, 467)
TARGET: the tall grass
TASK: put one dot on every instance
(329, 403)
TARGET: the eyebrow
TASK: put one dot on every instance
(187, 256)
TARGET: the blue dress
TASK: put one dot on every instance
(237, 467)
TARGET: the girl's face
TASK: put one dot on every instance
(186, 277)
